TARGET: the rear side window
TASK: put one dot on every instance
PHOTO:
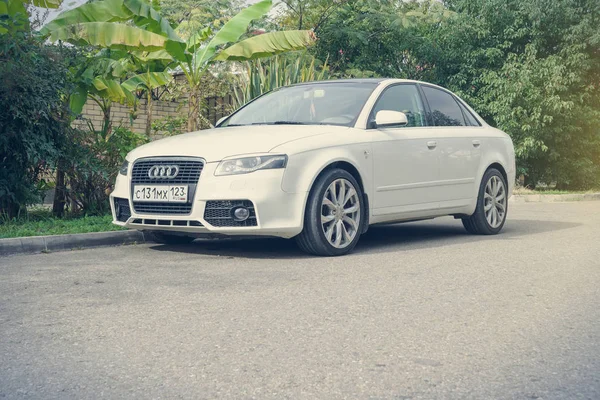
(471, 120)
(444, 108)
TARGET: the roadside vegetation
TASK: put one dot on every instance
(531, 68)
(41, 222)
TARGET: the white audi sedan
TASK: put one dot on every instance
(321, 162)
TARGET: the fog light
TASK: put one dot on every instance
(241, 214)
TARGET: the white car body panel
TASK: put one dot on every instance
(402, 176)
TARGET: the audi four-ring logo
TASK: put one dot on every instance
(163, 171)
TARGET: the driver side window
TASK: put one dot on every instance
(403, 98)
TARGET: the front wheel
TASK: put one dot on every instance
(492, 205)
(334, 215)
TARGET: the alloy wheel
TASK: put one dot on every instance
(340, 213)
(494, 202)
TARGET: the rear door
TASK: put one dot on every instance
(458, 147)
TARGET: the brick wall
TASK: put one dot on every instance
(122, 114)
(213, 109)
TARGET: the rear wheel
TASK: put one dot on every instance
(166, 238)
(492, 205)
(334, 215)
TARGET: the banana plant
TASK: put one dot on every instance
(99, 80)
(147, 82)
(134, 26)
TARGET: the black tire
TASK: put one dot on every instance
(477, 223)
(166, 238)
(312, 240)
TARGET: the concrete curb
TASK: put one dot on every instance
(554, 198)
(38, 244)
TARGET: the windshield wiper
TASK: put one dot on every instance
(277, 123)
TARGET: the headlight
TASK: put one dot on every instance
(124, 168)
(246, 165)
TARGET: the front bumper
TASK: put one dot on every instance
(278, 213)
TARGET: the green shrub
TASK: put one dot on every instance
(33, 118)
(93, 164)
(169, 126)
(262, 76)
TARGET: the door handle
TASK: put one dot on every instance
(476, 143)
(432, 144)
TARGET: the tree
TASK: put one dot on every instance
(302, 14)
(33, 83)
(135, 26)
(531, 68)
(377, 38)
(192, 15)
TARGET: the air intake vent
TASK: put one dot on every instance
(122, 210)
(220, 213)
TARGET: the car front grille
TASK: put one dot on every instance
(189, 174)
(189, 171)
(220, 213)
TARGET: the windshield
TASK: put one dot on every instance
(309, 104)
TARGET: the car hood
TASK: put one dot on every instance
(216, 144)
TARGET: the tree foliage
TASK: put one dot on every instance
(33, 81)
(530, 68)
(191, 16)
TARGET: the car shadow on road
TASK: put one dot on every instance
(381, 238)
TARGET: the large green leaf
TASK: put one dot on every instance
(148, 80)
(232, 31)
(150, 19)
(113, 90)
(267, 44)
(110, 34)
(99, 11)
(77, 100)
(153, 55)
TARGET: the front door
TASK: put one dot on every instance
(405, 158)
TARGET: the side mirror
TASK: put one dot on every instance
(390, 118)
(221, 120)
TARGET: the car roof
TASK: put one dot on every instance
(363, 80)
(354, 80)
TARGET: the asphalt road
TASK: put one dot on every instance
(420, 310)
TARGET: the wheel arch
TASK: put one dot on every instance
(500, 168)
(345, 165)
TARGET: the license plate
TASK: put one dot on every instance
(161, 193)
